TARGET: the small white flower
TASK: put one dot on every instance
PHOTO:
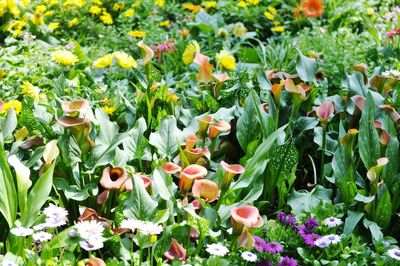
(55, 216)
(93, 243)
(132, 224)
(8, 263)
(42, 236)
(40, 227)
(248, 256)
(322, 242)
(333, 239)
(21, 231)
(332, 222)
(150, 228)
(89, 229)
(217, 249)
(392, 73)
(394, 253)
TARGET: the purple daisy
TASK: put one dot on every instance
(309, 239)
(286, 218)
(286, 261)
(264, 263)
(273, 247)
(259, 244)
(311, 223)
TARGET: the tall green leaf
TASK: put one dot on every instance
(8, 193)
(390, 171)
(306, 67)
(248, 127)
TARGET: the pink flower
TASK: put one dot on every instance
(145, 179)
(188, 175)
(113, 178)
(175, 251)
(245, 216)
(204, 124)
(205, 71)
(205, 189)
(230, 171)
(171, 168)
(392, 33)
(217, 128)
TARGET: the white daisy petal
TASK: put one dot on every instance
(248, 256)
(42, 236)
(332, 222)
(217, 249)
(394, 253)
(21, 231)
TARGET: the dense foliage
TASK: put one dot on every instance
(162, 132)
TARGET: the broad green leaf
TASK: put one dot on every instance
(9, 124)
(38, 196)
(353, 218)
(248, 127)
(139, 205)
(306, 67)
(159, 185)
(23, 181)
(8, 193)
(167, 138)
(356, 84)
(364, 199)
(375, 230)
(383, 211)
(136, 145)
(368, 138)
(390, 171)
(304, 201)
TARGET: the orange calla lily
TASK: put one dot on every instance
(245, 216)
(95, 262)
(171, 168)
(205, 189)
(149, 52)
(191, 141)
(204, 124)
(230, 171)
(205, 71)
(90, 214)
(188, 175)
(297, 91)
(217, 128)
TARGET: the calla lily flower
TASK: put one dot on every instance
(193, 155)
(276, 91)
(51, 151)
(90, 214)
(171, 168)
(245, 240)
(113, 178)
(205, 189)
(175, 251)
(221, 77)
(80, 129)
(149, 52)
(145, 179)
(325, 111)
(191, 141)
(297, 91)
(374, 172)
(384, 137)
(188, 175)
(204, 124)
(217, 128)
(359, 101)
(95, 262)
(230, 171)
(77, 107)
(205, 71)
(245, 216)
(103, 197)
(391, 111)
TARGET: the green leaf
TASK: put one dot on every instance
(390, 171)
(364, 199)
(159, 185)
(9, 124)
(23, 181)
(375, 230)
(139, 205)
(306, 67)
(368, 138)
(356, 84)
(38, 196)
(8, 193)
(351, 221)
(304, 201)
(383, 211)
(136, 145)
(167, 138)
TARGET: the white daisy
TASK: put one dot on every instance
(92, 243)
(391, 74)
(217, 249)
(248, 256)
(8, 263)
(149, 228)
(132, 224)
(322, 242)
(394, 253)
(89, 229)
(21, 231)
(332, 222)
(42, 236)
(332, 238)
(40, 227)
(55, 216)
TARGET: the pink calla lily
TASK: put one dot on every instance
(191, 141)
(245, 216)
(297, 91)
(359, 101)
(113, 178)
(230, 171)
(204, 124)
(146, 182)
(188, 175)
(205, 189)
(217, 128)
(171, 168)
(205, 71)
(90, 214)
(175, 251)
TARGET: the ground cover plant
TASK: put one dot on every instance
(162, 132)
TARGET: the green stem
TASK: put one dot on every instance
(322, 166)
(221, 197)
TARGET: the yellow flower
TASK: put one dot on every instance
(272, 10)
(78, 3)
(41, 8)
(53, 2)
(276, 23)
(53, 26)
(25, 3)
(103, 61)
(253, 2)
(95, 10)
(110, 110)
(118, 6)
(239, 29)
(184, 33)
(209, 4)
(15, 104)
(13, 8)
(97, 2)
(137, 33)
(130, 12)
(106, 18)
(164, 23)
(64, 57)
(124, 60)
(37, 19)
(242, 4)
(153, 239)
(226, 60)
(159, 3)
(49, 13)
(278, 29)
(268, 15)
(370, 11)
(190, 51)
(73, 22)
(32, 91)
(192, 7)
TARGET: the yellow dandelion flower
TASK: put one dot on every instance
(191, 7)
(269, 15)
(32, 91)
(110, 110)
(25, 3)
(130, 12)
(124, 60)
(41, 8)
(97, 2)
(242, 4)
(64, 57)
(253, 2)
(272, 10)
(53, 26)
(37, 19)
(278, 29)
(137, 33)
(184, 33)
(106, 18)
(103, 61)
(164, 23)
(73, 22)
(190, 51)
(49, 13)
(226, 60)
(13, 8)
(118, 6)
(53, 2)
(15, 104)
(159, 3)
(95, 10)
(276, 23)
(209, 4)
